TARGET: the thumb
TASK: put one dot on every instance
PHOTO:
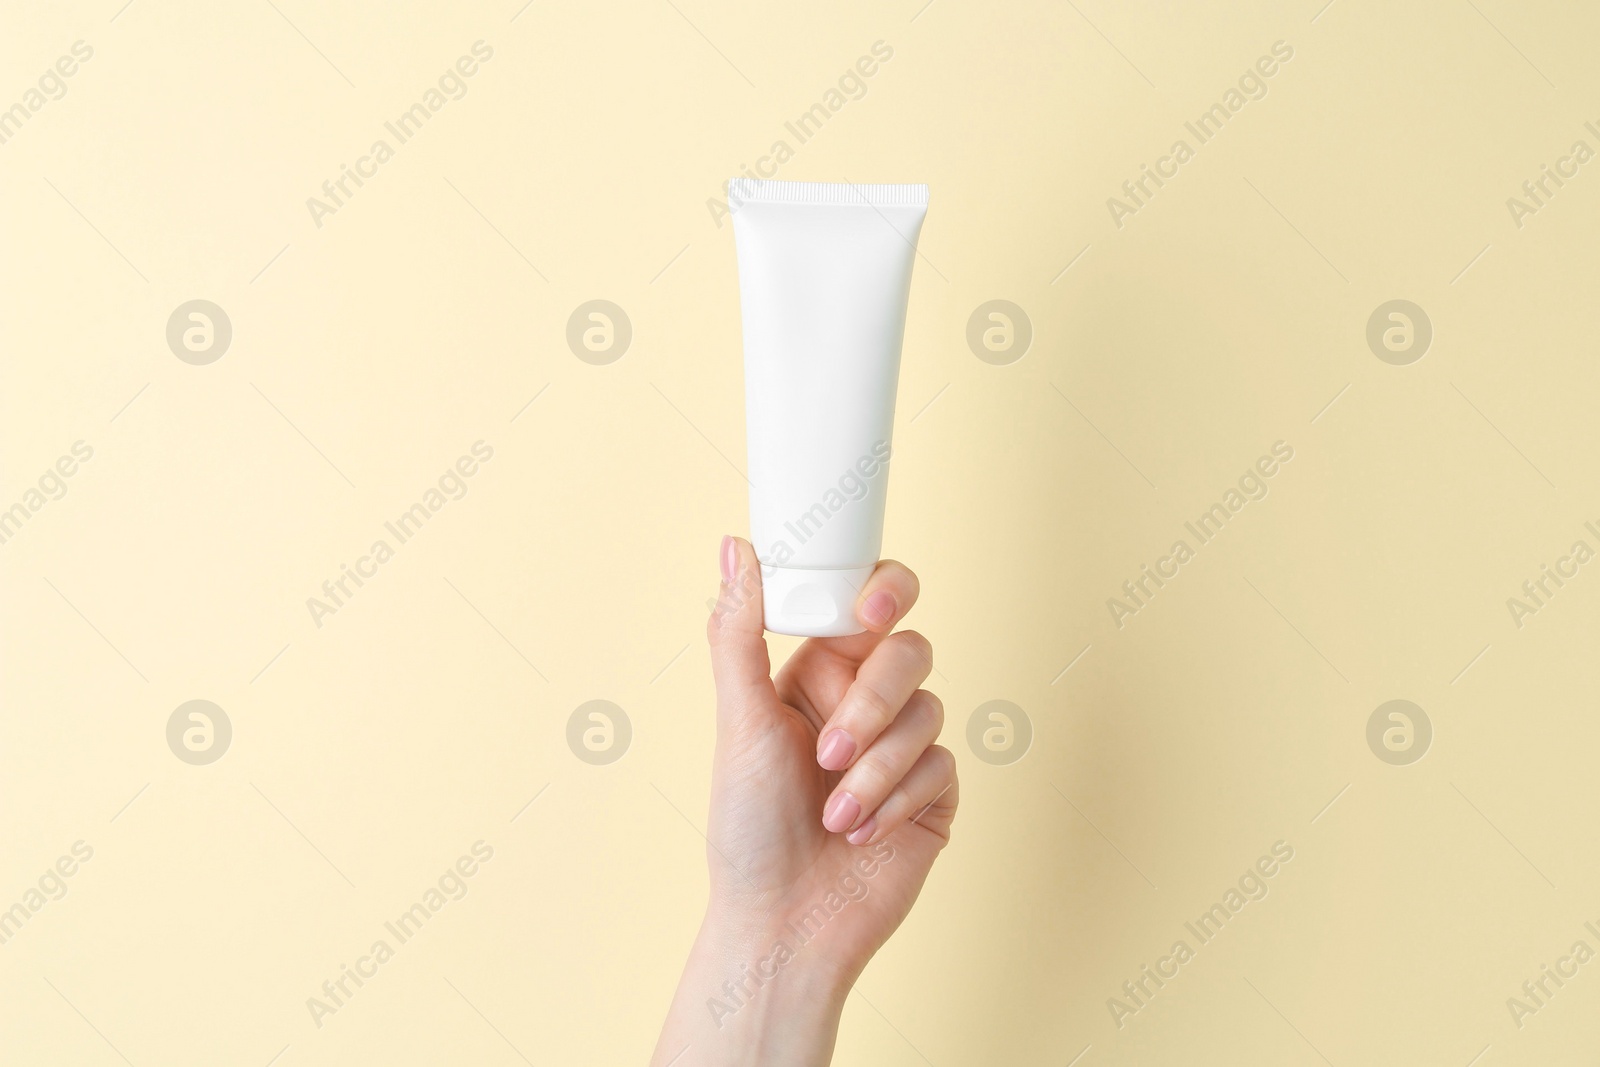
(739, 661)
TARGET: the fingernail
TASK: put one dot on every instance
(863, 833)
(730, 559)
(842, 811)
(837, 748)
(878, 608)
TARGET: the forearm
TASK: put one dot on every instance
(737, 1004)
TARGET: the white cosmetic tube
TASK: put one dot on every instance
(824, 276)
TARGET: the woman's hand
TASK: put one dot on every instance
(829, 803)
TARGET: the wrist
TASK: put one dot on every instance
(765, 958)
(751, 994)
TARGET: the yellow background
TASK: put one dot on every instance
(369, 353)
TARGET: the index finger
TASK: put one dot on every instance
(820, 671)
(885, 599)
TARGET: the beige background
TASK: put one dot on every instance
(368, 354)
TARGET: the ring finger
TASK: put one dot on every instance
(926, 796)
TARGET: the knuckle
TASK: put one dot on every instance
(915, 647)
(928, 707)
(873, 776)
(871, 706)
(899, 571)
(943, 760)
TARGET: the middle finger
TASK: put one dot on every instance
(888, 677)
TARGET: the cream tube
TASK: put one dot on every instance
(824, 275)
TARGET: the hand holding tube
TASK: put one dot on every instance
(829, 804)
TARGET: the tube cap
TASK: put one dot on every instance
(813, 603)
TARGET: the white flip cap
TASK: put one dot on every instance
(813, 603)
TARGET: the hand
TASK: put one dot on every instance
(829, 804)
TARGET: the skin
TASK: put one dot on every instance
(827, 790)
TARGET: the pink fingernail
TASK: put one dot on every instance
(863, 833)
(878, 608)
(730, 559)
(837, 748)
(842, 811)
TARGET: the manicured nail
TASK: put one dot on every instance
(863, 833)
(837, 748)
(730, 559)
(878, 608)
(842, 811)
